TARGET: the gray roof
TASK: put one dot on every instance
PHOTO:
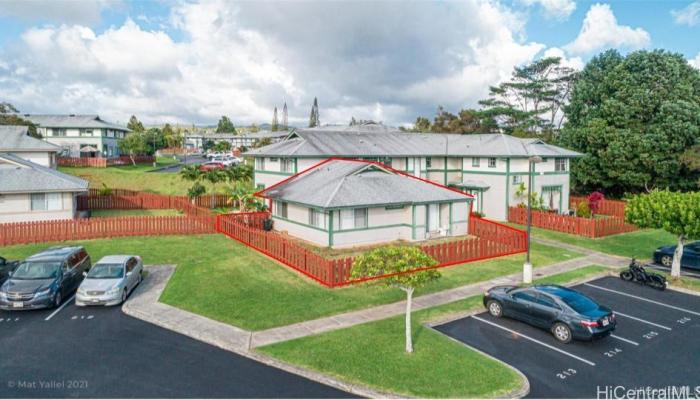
(15, 138)
(254, 135)
(471, 184)
(18, 175)
(361, 141)
(354, 183)
(114, 259)
(71, 121)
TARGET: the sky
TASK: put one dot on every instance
(190, 62)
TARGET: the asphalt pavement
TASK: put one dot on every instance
(177, 167)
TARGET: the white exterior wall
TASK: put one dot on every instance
(17, 208)
(296, 224)
(382, 226)
(43, 158)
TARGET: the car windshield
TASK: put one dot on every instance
(106, 271)
(37, 270)
(579, 303)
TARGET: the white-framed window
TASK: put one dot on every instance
(58, 132)
(360, 217)
(279, 208)
(260, 164)
(560, 164)
(287, 165)
(492, 162)
(317, 218)
(409, 164)
(428, 162)
(274, 159)
(85, 132)
(353, 218)
(476, 161)
(517, 179)
(46, 201)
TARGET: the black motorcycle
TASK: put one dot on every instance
(637, 273)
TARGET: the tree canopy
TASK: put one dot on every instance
(8, 116)
(135, 125)
(633, 117)
(134, 144)
(466, 121)
(225, 125)
(314, 118)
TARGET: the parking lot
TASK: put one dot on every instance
(655, 345)
(101, 352)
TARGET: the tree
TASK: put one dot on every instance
(225, 126)
(398, 260)
(134, 144)
(241, 196)
(214, 176)
(675, 212)
(531, 103)
(192, 173)
(261, 142)
(135, 125)
(173, 137)
(239, 173)
(285, 117)
(633, 117)
(314, 118)
(275, 124)
(222, 145)
(9, 116)
(154, 139)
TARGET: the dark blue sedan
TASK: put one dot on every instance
(566, 313)
(690, 259)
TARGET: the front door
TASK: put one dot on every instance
(433, 217)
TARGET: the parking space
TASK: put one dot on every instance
(655, 344)
(99, 352)
(687, 272)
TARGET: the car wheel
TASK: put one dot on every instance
(667, 261)
(124, 295)
(57, 299)
(495, 308)
(561, 332)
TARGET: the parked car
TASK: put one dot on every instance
(45, 279)
(566, 313)
(211, 165)
(691, 255)
(226, 160)
(110, 281)
(6, 267)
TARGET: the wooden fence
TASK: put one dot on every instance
(121, 199)
(616, 208)
(588, 227)
(95, 228)
(102, 162)
(497, 240)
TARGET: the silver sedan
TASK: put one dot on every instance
(110, 281)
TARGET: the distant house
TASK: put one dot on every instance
(80, 135)
(346, 203)
(197, 140)
(31, 189)
(492, 167)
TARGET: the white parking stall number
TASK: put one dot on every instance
(650, 335)
(683, 320)
(612, 353)
(567, 373)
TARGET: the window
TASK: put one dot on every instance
(280, 209)
(546, 301)
(274, 159)
(86, 132)
(476, 161)
(526, 295)
(58, 132)
(260, 164)
(386, 161)
(428, 162)
(46, 201)
(360, 217)
(492, 162)
(287, 165)
(560, 164)
(350, 219)
(317, 218)
(110, 133)
(409, 164)
(260, 186)
(517, 179)
(131, 264)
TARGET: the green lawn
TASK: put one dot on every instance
(639, 244)
(133, 213)
(372, 354)
(219, 278)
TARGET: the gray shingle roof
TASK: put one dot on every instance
(16, 138)
(20, 176)
(352, 183)
(361, 141)
(71, 121)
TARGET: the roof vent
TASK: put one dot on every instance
(71, 115)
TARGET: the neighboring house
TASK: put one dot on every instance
(197, 140)
(489, 166)
(31, 192)
(15, 139)
(80, 135)
(346, 203)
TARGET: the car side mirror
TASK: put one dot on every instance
(129, 273)
(84, 273)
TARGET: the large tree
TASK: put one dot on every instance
(675, 212)
(225, 126)
(134, 124)
(397, 262)
(134, 144)
(314, 118)
(9, 116)
(633, 117)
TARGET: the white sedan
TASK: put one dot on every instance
(110, 281)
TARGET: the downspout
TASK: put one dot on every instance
(507, 187)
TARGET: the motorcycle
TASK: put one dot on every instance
(637, 273)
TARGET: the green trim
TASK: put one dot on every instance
(330, 229)
(556, 173)
(273, 172)
(450, 222)
(444, 170)
(369, 228)
(296, 166)
(413, 222)
(507, 187)
(298, 223)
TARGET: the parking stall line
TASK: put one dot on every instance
(643, 321)
(60, 308)
(624, 340)
(534, 340)
(643, 299)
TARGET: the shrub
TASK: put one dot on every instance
(583, 210)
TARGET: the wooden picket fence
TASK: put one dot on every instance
(121, 199)
(489, 239)
(615, 208)
(102, 162)
(588, 227)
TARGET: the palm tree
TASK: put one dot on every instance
(214, 176)
(240, 173)
(192, 173)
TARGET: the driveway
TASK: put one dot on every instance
(655, 345)
(102, 353)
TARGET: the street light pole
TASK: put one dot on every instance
(527, 267)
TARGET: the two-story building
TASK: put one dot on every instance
(80, 135)
(198, 140)
(492, 167)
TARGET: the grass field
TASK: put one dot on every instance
(133, 213)
(219, 278)
(372, 354)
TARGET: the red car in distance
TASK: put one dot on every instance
(208, 166)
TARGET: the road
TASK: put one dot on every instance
(183, 162)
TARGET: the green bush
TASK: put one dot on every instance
(583, 210)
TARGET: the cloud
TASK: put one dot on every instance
(690, 15)
(600, 30)
(573, 62)
(61, 11)
(695, 62)
(554, 9)
(383, 60)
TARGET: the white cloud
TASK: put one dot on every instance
(600, 30)
(690, 15)
(554, 9)
(62, 11)
(572, 62)
(695, 62)
(382, 61)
